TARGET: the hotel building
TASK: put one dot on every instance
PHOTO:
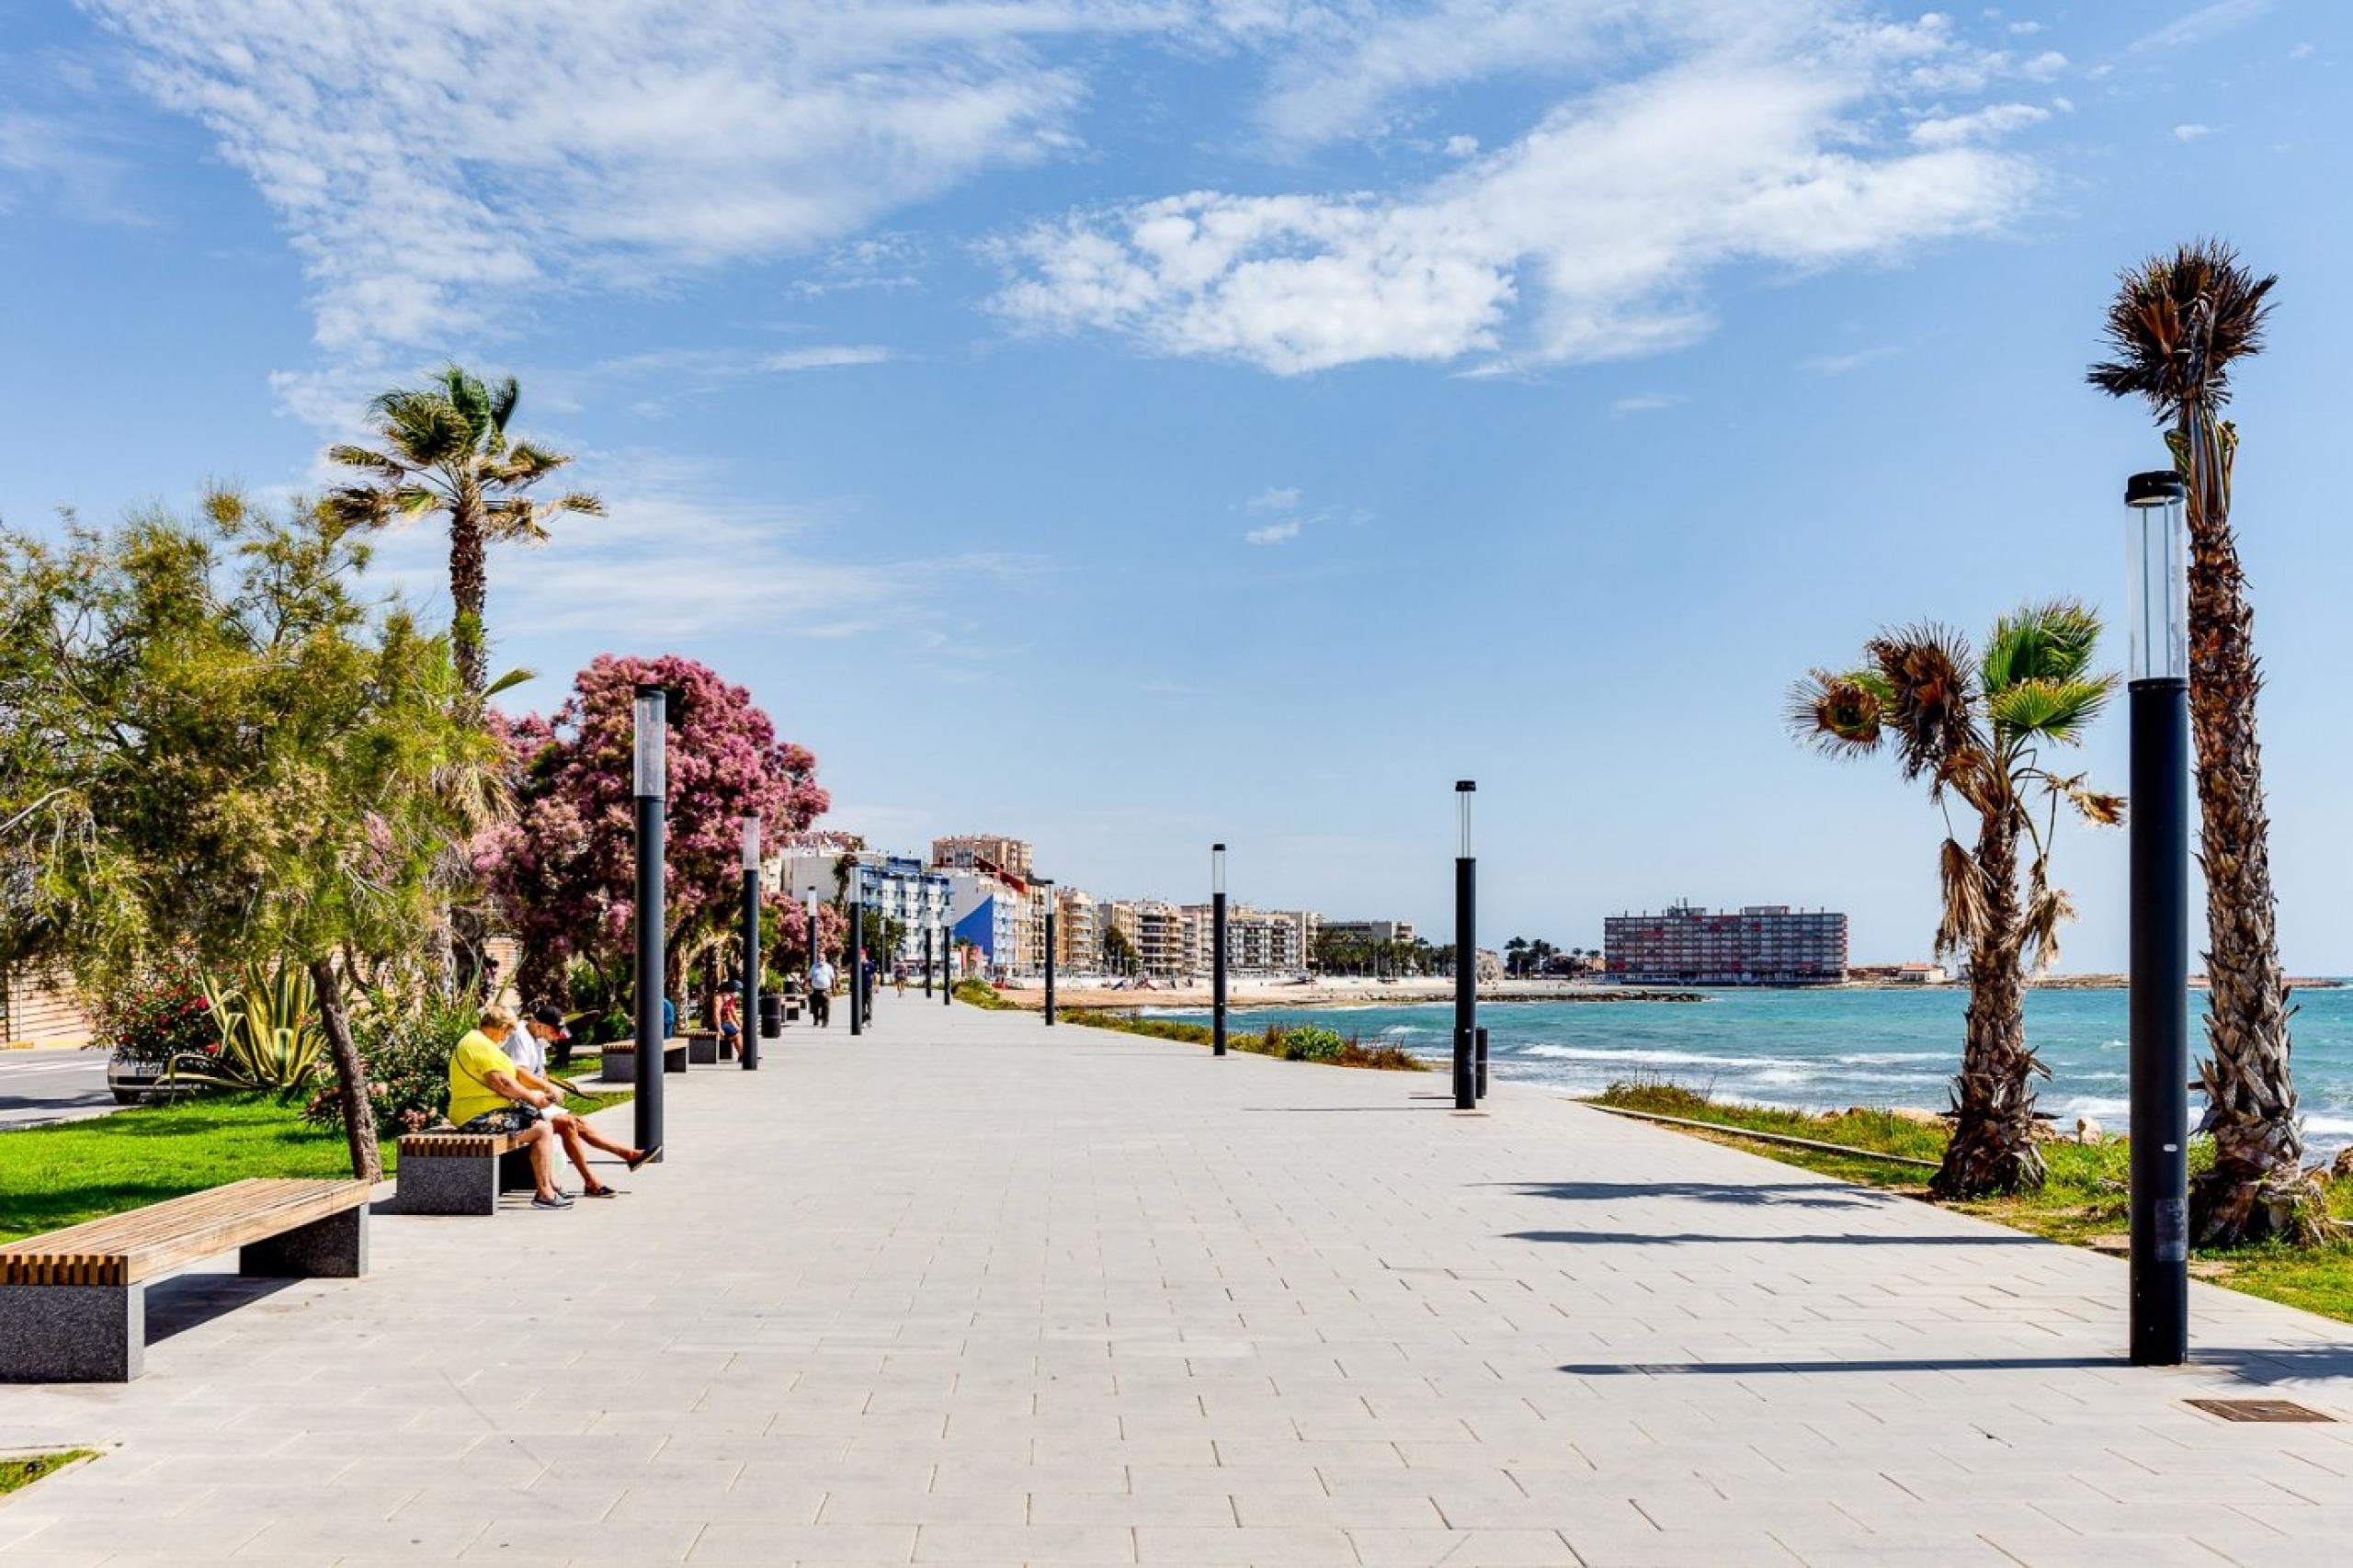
(984, 852)
(1764, 944)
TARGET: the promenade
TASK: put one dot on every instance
(970, 1291)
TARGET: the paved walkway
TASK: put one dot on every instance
(968, 1292)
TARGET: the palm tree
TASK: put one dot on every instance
(2177, 325)
(445, 450)
(1975, 730)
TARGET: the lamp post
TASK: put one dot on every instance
(1048, 883)
(1466, 952)
(857, 946)
(1217, 950)
(2158, 672)
(750, 1033)
(817, 952)
(926, 963)
(650, 784)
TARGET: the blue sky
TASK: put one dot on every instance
(1132, 422)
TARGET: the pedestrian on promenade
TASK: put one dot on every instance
(899, 977)
(868, 971)
(669, 1018)
(821, 994)
(729, 1012)
(527, 1046)
(486, 1095)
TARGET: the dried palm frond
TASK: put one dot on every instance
(1926, 668)
(2047, 909)
(1838, 714)
(2097, 806)
(1965, 916)
(2176, 324)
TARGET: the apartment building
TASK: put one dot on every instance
(1165, 939)
(1259, 941)
(1762, 944)
(984, 852)
(897, 887)
(1376, 931)
(1078, 933)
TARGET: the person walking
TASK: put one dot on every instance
(899, 977)
(821, 994)
(730, 1013)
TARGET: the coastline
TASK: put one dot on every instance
(1336, 993)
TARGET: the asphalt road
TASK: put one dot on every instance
(52, 1084)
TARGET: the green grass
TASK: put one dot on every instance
(2086, 1199)
(61, 1175)
(23, 1469)
(1355, 1054)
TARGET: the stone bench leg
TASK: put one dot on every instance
(80, 1334)
(332, 1248)
(447, 1183)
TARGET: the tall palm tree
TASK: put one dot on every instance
(2176, 326)
(1976, 730)
(445, 450)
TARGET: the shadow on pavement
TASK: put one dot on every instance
(190, 1300)
(1654, 1238)
(2275, 1365)
(1775, 1194)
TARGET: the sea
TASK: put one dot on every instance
(1824, 1049)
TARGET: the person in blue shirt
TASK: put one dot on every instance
(669, 1018)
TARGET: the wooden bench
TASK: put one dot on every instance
(74, 1303)
(621, 1060)
(449, 1172)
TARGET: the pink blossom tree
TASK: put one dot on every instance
(562, 870)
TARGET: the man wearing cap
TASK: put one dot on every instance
(528, 1048)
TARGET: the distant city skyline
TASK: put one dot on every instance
(1140, 426)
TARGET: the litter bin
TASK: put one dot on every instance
(771, 1015)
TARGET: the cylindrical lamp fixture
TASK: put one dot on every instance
(2158, 1009)
(649, 782)
(1217, 950)
(1466, 953)
(747, 1034)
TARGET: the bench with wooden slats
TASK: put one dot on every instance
(73, 1303)
(447, 1172)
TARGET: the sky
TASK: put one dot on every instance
(1129, 424)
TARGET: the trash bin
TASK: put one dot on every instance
(771, 1015)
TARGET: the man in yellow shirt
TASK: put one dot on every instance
(487, 1094)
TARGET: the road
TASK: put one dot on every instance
(52, 1084)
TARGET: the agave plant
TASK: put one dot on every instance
(1977, 730)
(272, 1038)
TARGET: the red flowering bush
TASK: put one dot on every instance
(158, 1015)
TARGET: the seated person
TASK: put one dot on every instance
(488, 1095)
(528, 1048)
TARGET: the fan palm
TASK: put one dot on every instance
(445, 450)
(1976, 730)
(2176, 326)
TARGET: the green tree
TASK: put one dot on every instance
(2176, 326)
(1119, 953)
(1976, 730)
(211, 749)
(445, 449)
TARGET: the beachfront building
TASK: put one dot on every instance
(1260, 941)
(1762, 944)
(1167, 943)
(998, 916)
(1078, 935)
(1898, 974)
(994, 852)
(897, 887)
(1117, 915)
(1371, 932)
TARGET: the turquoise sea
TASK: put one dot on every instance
(1822, 1049)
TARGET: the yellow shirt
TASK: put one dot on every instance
(471, 1066)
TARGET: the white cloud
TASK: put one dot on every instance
(1275, 498)
(1462, 146)
(2192, 132)
(61, 162)
(1988, 124)
(1647, 403)
(1287, 516)
(1605, 221)
(1840, 364)
(438, 163)
(1274, 533)
(2204, 23)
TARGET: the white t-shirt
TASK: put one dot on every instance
(526, 1050)
(822, 977)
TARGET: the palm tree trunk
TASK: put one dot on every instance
(350, 1074)
(2257, 1187)
(1993, 1148)
(469, 576)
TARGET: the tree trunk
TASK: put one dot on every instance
(1993, 1148)
(468, 578)
(2256, 1186)
(350, 1074)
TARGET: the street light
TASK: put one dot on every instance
(2158, 672)
(856, 946)
(649, 782)
(1466, 952)
(1217, 950)
(749, 1025)
(816, 957)
(1048, 883)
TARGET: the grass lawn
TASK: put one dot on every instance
(1353, 1051)
(25, 1469)
(2084, 1201)
(63, 1173)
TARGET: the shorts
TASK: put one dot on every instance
(507, 1118)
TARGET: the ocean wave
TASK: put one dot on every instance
(1644, 1056)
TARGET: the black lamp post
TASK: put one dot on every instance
(857, 946)
(1217, 950)
(748, 1030)
(2159, 1010)
(1048, 883)
(1466, 953)
(817, 952)
(649, 782)
(926, 963)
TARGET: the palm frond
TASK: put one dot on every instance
(507, 682)
(1965, 917)
(2052, 641)
(1836, 712)
(1926, 669)
(2177, 325)
(581, 502)
(504, 396)
(383, 464)
(2047, 909)
(2051, 710)
(425, 426)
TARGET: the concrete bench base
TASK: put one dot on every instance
(445, 1181)
(620, 1062)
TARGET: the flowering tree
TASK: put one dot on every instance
(563, 869)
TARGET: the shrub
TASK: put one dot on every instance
(159, 1014)
(406, 1043)
(1306, 1042)
(271, 1039)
